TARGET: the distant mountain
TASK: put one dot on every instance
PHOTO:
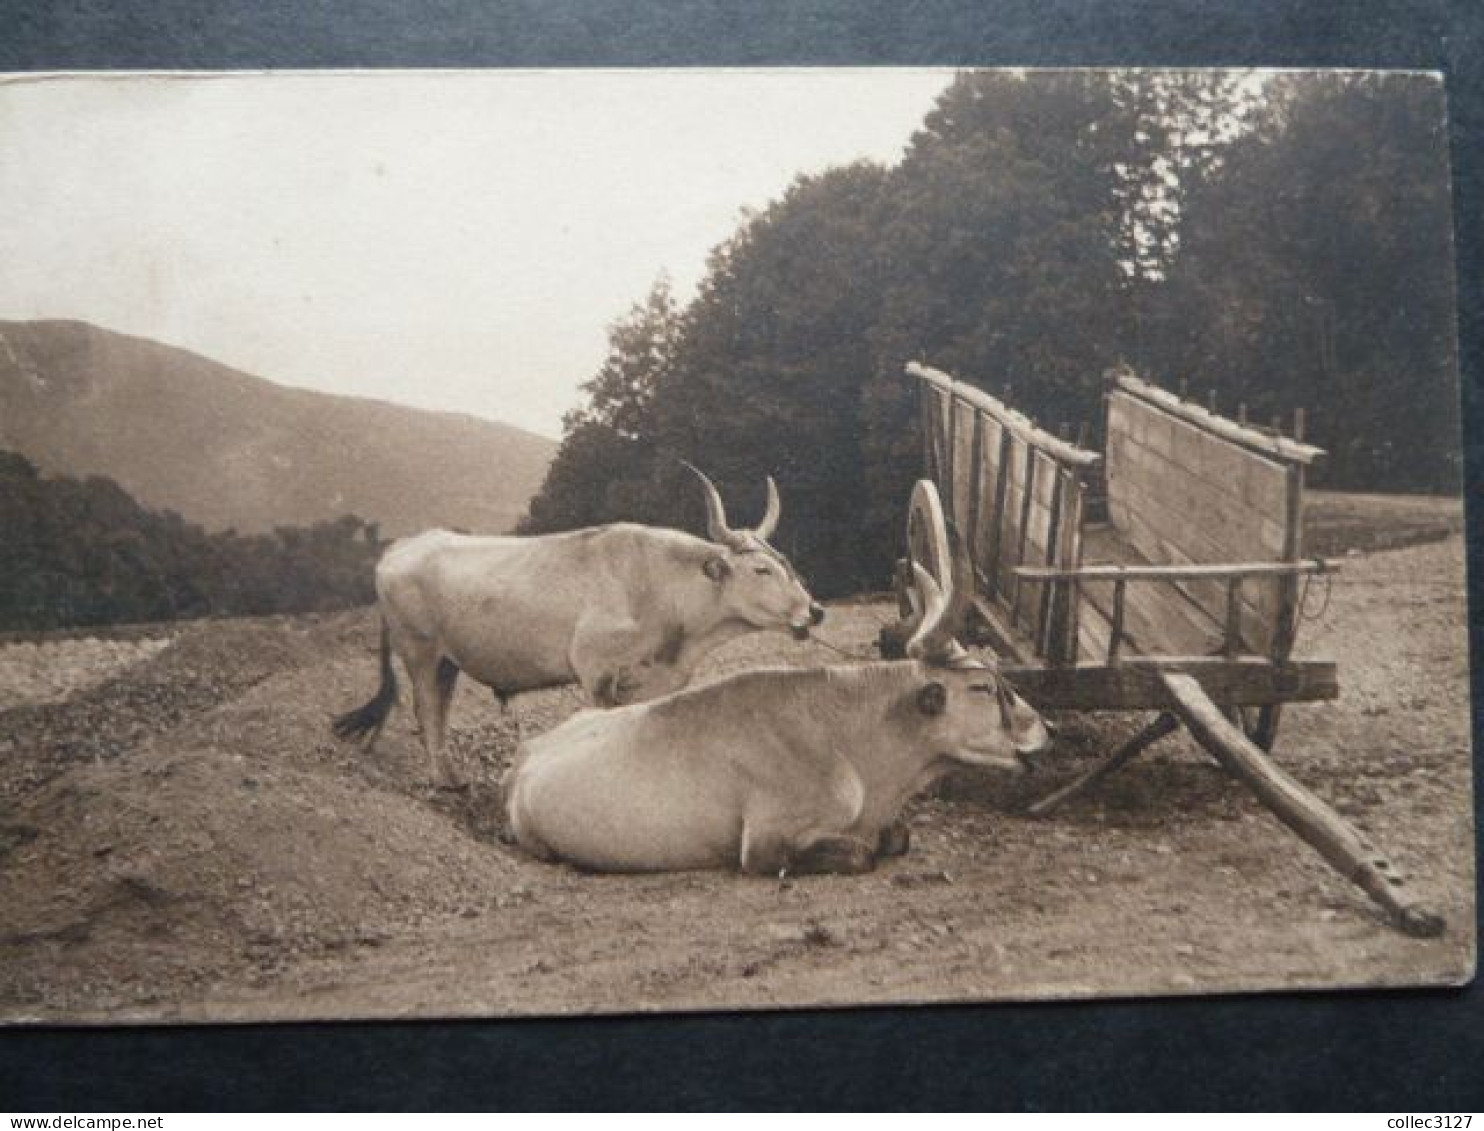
(227, 449)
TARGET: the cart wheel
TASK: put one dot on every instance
(928, 545)
(927, 538)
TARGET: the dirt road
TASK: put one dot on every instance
(185, 841)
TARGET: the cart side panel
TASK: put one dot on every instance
(1180, 494)
(1016, 495)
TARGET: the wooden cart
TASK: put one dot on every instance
(1164, 576)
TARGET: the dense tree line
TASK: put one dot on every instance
(1317, 271)
(82, 551)
(1283, 243)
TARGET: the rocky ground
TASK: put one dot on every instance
(181, 839)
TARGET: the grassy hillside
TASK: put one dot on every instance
(226, 449)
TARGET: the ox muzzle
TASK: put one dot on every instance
(816, 616)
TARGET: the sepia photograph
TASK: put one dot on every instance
(528, 543)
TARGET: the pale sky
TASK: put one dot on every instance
(456, 240)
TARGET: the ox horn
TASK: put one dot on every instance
(934, 605)
(771, 515)
(936, 636)
(716, 514)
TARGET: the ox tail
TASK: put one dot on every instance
(368, 718)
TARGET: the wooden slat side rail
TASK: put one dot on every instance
(1224, 571)
(1016, 494)
(1018, 423)
(1278, 447)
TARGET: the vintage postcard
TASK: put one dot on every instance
(507, 543)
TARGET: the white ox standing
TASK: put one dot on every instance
(799, 769)
(627, 611)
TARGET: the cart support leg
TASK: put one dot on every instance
(1319, 825)
(1267, 726)
(1163, 724)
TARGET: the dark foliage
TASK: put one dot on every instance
(1285, 250)
(1317, 272)
(83, 552)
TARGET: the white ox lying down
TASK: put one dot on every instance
(627, 611)
(797, 769)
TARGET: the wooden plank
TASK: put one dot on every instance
(919, 394)
(1316, 823)
(1044, 626)
(1020, 424)
(1012, 502)
(1019, 602)
(1154, 530)
(1069, 556)
(1279, 447)
(948, 484)
(976, 487)
(1158, 622)
(1181, 455)
(1260, 601)
(998, 450)
(1231, 643)
(1293, 545)
(1136, 684)
(955, 488)
(930, 416)
(1040, 541)
(1037, 529)
(1222, 571)
(1047, 470)
(1094, 634)
(1161, 620)
(1286, 631)
(1205, 591)
(1147, 480)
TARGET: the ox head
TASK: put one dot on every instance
(757, 583)
(966, 708)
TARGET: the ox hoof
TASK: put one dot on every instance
(1421, 923)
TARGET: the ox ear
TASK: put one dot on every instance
(717, 568)
(932, 698)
